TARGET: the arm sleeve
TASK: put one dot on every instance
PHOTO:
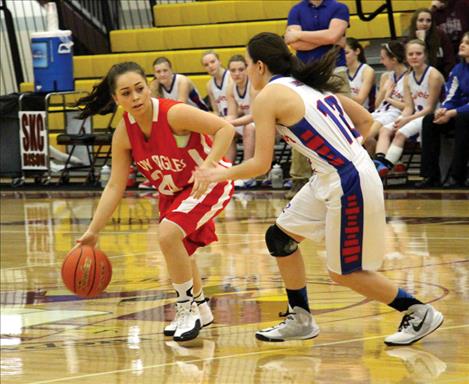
(294, 16)
(453, 90)
(342, 13)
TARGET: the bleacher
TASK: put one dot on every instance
(184, 30)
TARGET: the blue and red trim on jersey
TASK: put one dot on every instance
(351, 225)
(311, 139)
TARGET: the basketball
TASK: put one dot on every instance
(86, 271)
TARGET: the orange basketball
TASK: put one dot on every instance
(86, 271)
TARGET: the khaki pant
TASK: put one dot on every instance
(300, 167)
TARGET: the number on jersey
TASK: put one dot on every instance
(332, 109)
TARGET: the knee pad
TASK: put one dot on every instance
(279, 243)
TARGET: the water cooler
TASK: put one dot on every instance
(52, 53)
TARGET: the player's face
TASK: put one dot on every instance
(132, 93)
(464, 48)
(253, 73)
(350, 55)
(211, 64)
(424, 21)
(415, 55)
(387, 61)
(238, 71)
(163, 73)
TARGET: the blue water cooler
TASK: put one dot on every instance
(52, 61)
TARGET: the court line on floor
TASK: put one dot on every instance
(226, 357)
(58, 262)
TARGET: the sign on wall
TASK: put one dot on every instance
(34, 140)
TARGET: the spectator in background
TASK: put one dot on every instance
(439, 49)
(174, 86)
(240, 97)
(422, 90)
(390, 97)
(453, 115)
(218, 85)
(452, 17)
(360, 75)
(314, 27)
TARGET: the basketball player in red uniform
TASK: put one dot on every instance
(167, 140)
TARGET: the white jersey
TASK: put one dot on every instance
(344, 199)
(356, 82)
(397, 93)
(172, 93)
(326, 135)
(243, 100)
(419, 89)
(219, 94)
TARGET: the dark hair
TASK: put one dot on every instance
(274, 53)
(355, 44)
(239, 58)
(100, 100)
(395, 50)
(432, 38)
(160, 60)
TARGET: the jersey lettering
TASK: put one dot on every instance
(332, 109)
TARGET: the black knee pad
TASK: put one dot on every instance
(279, 243)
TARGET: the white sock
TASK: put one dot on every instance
(184, 291)
(394, 153)
(199, 297)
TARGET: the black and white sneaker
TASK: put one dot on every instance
(188, 321)
(419, 321)
(206, 318)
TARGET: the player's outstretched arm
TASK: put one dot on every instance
(360, 117)
(115, 188)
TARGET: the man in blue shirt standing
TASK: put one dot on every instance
(453, 115)
(314, 27)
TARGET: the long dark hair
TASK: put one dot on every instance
(100, 100)
(274, 53)
(432, 38)
(355, 44)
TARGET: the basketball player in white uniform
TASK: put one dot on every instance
(239, 112)
(422, 90)
(360, 75)
(390, 99)
(174, 86)
(343, 200)
(218, 85)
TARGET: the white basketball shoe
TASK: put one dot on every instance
(419, 321)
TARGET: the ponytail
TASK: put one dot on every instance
(274, 53)
(100, 101)
(318, 74)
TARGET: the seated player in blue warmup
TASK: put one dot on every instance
(452, 116)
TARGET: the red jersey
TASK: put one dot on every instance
(169, 168)
(158, 158)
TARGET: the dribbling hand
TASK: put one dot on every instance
(88, 238)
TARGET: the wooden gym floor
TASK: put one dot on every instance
(50, 336)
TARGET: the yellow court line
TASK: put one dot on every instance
(227, 357)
